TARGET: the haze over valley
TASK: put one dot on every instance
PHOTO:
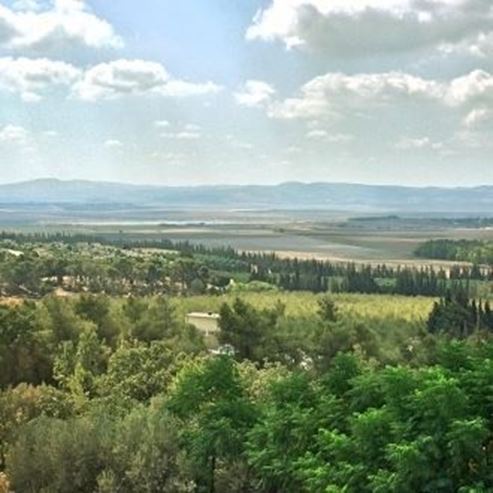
(246, 246)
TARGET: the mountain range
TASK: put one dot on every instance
(292, 195)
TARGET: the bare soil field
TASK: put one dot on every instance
(308, 234)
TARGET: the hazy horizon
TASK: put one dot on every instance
(218, 185)
(396, 92)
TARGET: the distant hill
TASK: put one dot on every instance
(326, 196)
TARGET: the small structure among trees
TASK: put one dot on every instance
(206, 322)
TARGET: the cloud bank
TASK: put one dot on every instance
(346, 28)
(33, 78)
(36, 28)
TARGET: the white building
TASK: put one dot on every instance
(206, 322)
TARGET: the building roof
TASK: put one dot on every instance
(210, 315)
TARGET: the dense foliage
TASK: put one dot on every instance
(34, 265)
(301, 392)
(474, 251)
(456, 314)
(120, 395)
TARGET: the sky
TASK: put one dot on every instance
(197, 92)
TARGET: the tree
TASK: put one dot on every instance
(246, 328)
(57, 315)
(24, 350)
(75, 457)
(457, 316)
(290, 416)
(327, 309)
(210, 399)
(97, 309)
(78, 366)
(21, 404)
(157, 322)
(145, 456)
(137, 372)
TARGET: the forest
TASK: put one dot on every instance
(106, 388)
(104, 394)
(474, 251)
(38, 264)
(323, 377)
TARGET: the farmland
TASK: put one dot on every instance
(319, 315)
(411, 309)
(304, 234)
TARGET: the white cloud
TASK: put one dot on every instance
(189, 131)
(479, 46)
(162, 123)
(329, 94)
(409, 143)
(362, 27)
(13, 134)
(336, 94)
(185, 135)
(30, 78)
(188, 127)
(62, 25)
(478, 116)
(317, 134)
(333, 138)
(477, 85)
(254, 94)
(183, 89)
(482, 46)
(135, 77)
(113, 144)
(20, 140)
(121, 77)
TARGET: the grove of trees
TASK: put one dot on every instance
(35, 265)
(103, 394)
(474, 251)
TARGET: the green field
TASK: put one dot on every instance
(411, 309)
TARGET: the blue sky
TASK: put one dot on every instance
(264, 91)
